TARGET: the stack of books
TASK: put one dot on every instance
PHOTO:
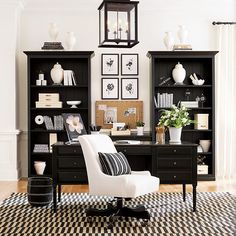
(52, 46)
(41, 148)
(48, 100)
(69, 77)
(164, 100)
(189, 104)
(182, 47)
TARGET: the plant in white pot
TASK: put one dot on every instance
(175, 119)
(140, 127)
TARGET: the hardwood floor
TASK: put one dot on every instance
(8, 187)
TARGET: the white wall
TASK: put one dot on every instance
(81, 16)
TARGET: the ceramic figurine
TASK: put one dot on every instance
(57, 73)
(179, 73)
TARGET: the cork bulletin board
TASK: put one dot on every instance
(109, 112)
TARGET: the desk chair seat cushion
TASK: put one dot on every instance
(114, 163)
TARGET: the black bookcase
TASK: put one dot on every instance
(80, 63)
(202, 63)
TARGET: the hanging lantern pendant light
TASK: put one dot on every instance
(118, 23)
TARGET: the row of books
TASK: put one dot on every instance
(58, 122)
(48, 100)
(41, 148)
(69, 78)
(164, 100)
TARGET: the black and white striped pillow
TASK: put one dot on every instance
(114, 163)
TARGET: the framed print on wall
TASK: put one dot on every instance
(129, 88)
(129, 64)
(110, 64)
(110, 88)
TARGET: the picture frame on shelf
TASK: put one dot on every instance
(129, 64)
(110, 88)
(129, 88)
(110, 64)
(74, 126)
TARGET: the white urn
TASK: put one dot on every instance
(53, 31)
(168, 40)
(39, 167)
(70, 40)
(57, 73)
(179, 73)
(175, 134)
(182, 34)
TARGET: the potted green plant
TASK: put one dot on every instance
(175, 119)
(140, 127)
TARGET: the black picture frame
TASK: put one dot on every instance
(129, 88)
(110, 88)
(129, 64)
(73, 131)
(109, 64)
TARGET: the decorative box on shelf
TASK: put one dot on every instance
(120, 132)
(201, 121)
(202, 169)
(189, 104)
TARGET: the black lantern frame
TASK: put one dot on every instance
(117, 35)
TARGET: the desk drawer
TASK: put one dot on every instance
(174, 150)
(138, 150)
(174, 177)
(71, 162)
(174, 163)
(69, 150)
(70, 177)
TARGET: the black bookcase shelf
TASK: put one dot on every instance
(80, 63)
(201, 63)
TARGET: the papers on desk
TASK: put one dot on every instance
(128, 141)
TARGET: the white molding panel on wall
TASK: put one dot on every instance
(9, 164)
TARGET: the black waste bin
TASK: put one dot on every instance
(39, 191)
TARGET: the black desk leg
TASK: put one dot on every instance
(59, 193)
(194, 197)
(184, 192)
(54, 198)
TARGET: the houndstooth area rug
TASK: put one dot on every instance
(215, 215)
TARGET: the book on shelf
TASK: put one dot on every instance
(52, 140)
(164, 100)
(69, 78)
(58, 122)
(48, 123)
(189, 104)
(40, 148)
(52, 46)
(182, 47)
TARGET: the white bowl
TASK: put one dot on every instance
(198, 82)
(73, 103)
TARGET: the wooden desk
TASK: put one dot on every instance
(172, 163)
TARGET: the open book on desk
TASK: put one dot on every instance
(127, 142)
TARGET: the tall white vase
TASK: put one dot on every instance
(175, 134)
(179, 73)
(53, 31)
(39, 167)
(182, 34)
(70, 40)
(168, 40)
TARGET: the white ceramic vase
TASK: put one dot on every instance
(140, 130)
(205, 144)
(182, 34)
(53, 31)
(70, 40)
(179, 73)
(175, 134)
(39, 167)
(168, 40)
(57, 73)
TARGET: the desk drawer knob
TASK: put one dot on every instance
(174, 176)
(75, 177)
(74, 151)
(174, 150)
(124, 150)
(75, 163)
(175, 163)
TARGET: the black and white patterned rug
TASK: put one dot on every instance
(215, 215)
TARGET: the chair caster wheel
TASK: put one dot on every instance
(110, 226)
(89, 219)
(144, 222)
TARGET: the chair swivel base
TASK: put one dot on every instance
(119, 210)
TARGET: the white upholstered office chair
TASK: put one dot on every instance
(120, 187)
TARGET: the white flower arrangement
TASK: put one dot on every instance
(177, 117)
